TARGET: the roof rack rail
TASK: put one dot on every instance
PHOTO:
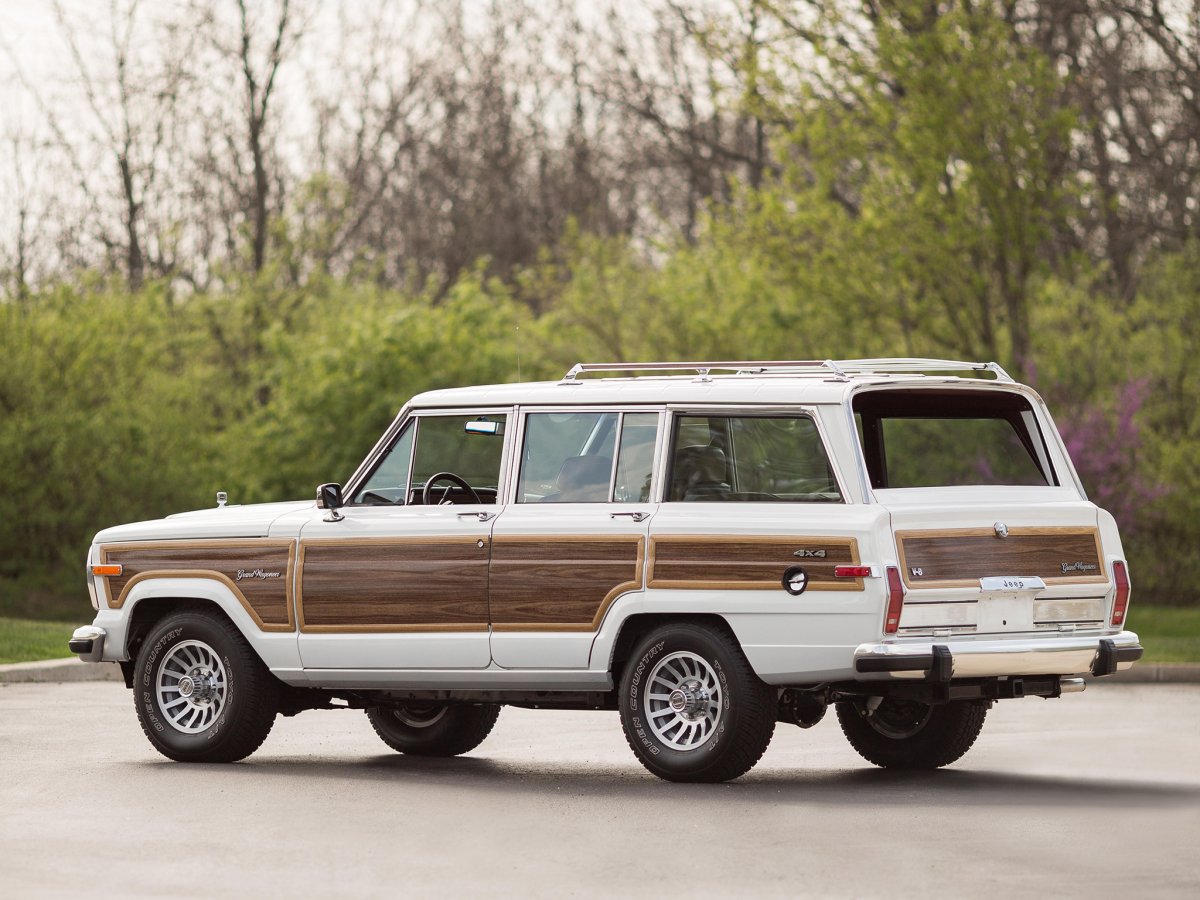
(840, 369)
(917, 364)
(701, 368)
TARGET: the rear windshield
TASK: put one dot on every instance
(933, 438)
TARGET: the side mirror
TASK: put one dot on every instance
(329, 496)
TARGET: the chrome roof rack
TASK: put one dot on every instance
(840, 369)
(918, 365)
(703, 369)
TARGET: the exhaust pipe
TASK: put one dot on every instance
(1071, 685)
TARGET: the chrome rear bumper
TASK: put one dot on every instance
(942, 661)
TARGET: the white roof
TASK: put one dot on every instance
(773, 383)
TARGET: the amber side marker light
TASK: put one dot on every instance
(107, 570)
(895, 601)
(1121, 602)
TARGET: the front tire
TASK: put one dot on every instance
(692, 708)
(905, 734)
(201, 693)
(434, 729)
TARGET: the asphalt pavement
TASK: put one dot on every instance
(1094, 795)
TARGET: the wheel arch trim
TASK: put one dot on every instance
(199, 584)
(631, 606)
(275, 645)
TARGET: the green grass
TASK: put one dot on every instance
(1170, 634)
(24, 640)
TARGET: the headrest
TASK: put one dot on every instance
(580, 471)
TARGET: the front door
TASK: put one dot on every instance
(401, 581)
(572, 540)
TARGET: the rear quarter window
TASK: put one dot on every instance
(750, 459)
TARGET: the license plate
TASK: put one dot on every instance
(1006, 603)
(1004, 612)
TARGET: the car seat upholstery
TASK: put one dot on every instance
(583, 479)
(699, 474)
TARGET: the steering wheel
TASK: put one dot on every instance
(457, 480)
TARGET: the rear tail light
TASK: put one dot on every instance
(895, 601)
(851, 571)
(1121, 603)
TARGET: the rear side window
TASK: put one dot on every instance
(750, 459)
(587, 457)
(927, 438)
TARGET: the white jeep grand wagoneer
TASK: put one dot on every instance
(708, 548)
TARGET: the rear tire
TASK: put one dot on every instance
(905, 734)
(434, 729)
(692, 708)
(201, 693)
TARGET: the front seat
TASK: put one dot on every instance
(583, 479)
(700, 474)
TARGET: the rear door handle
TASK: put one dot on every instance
(636, 516)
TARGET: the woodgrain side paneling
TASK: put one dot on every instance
(567, 583)
(695, 561)
(960, 557)
(393, 584)
(258, 572)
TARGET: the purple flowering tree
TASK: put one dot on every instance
(1107, 447)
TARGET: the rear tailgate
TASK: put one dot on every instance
(1001, 568)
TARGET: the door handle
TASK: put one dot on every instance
(481, 516)
(636, 516)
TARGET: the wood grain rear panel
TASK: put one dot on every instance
(258, 572)
(960, 557)
(544, 583)
(696, 561)
(393, 584)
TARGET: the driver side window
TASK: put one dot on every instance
(444, 445)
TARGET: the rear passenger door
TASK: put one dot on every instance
(572, 537)
(750, 496)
